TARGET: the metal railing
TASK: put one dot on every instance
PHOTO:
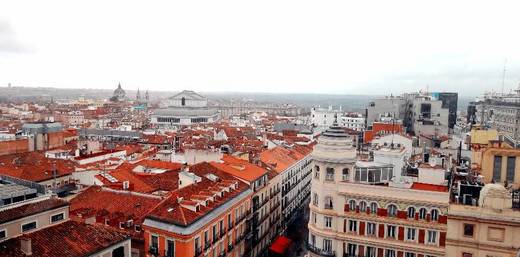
(321, 252)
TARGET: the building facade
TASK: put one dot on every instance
(184, 108)
(354, 211)
(490, 228)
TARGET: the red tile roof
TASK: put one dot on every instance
(97, 200)
(280, 158)
(34, 166)
(171, 211)
(239, 168)
(30, 209)
(68, 239)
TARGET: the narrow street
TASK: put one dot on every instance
(298, 233)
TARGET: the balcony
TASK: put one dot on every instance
(240, 238)
(169, 253)
(230, 226)
(230, 248)
(222, 233)
(215, 238)
(222, 254)
(320, 252)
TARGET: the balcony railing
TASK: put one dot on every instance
(321, 252)
(230, 247)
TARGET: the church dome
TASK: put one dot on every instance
(119, 91)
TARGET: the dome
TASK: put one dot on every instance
(119, 91)
(495, 196)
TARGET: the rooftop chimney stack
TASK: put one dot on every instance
(26, 246)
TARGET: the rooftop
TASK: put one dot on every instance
(29, 209)
(68, 239)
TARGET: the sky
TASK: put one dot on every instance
(331, 47)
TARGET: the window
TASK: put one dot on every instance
(28, 226)
(327, 245)
(392, 210)
(390, 231)
(352, 225)
(315, 199)
(328, 202)
(390, 253)
(411, 212)
(510, 169)
(3, 234)
(370, 252)
(410, 234)
(408, 254)
(57, 217)
(468, 230)
(352, 205)
(434, 214)
(344, 174)
(206, 237)
(371, 228)
(314, 217)
(170, 248)
(373, 207)
(497, 168)
(362, 206)
(432, 237)
(467, 255)
(351, 249)
(330, 174)
(328, 221)
(422, 213)
(313, 240)
(317, 172)
(154, 243)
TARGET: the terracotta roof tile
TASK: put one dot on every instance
(30, 209)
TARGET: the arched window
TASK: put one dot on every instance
(344, 175)
(392, 210)
(373, 207)
(328, 203)
(434, 214)
(422, 213)
(362, 206)
(411, 212)
(352, 205)
(330, 174)
(317, 172)
(183, 101)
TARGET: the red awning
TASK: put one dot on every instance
(280, 245)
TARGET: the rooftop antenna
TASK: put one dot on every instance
(504, 76)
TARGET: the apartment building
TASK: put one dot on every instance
(357, 210)
(41, 227)
(489, 228)
(293, 166)
(265, 200)
(498, 162)
(206, 216)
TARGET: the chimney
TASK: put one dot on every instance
(26, 246)
(90, 220)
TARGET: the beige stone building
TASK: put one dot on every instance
(491, 229)
(356, 209)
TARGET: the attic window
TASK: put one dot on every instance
(197, 208)
(121, 225)
(137, 228)
(170, 209)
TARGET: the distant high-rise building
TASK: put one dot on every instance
(449, 100)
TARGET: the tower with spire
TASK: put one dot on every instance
(138, 96)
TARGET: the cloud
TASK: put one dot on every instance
(9, 43)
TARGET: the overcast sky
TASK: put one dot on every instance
(358, 47)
